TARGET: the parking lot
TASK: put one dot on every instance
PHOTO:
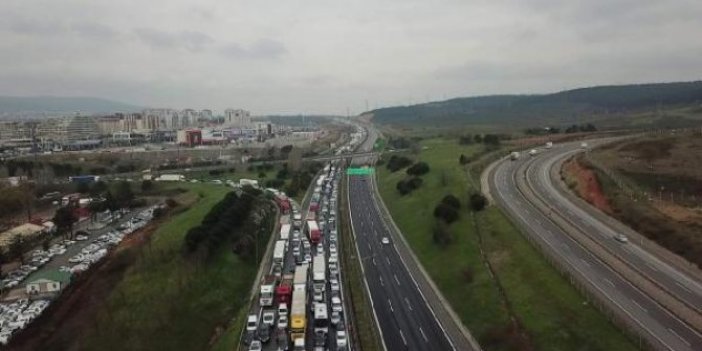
(69, 257)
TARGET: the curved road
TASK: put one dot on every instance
(518, 186)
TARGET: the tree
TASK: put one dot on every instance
(285, 150)
(446, 213)
(452, 201)
(396, 163)
(477, 202)
(478, 138)
(491, 140)
(64, 218)
(441, 233)
(83, 187)
(419, 168)
(16, 248)
(98, 188)
(464, 159)
(465, 139)
(124, 194)
(147, 185)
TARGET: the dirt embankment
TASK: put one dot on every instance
(60, 326)
(586, 184)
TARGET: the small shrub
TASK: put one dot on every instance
(446, 213)
(477, 202)
(419, 168)
(452, 201)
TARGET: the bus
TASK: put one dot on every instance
(319, 270)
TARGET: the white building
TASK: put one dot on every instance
(237, 118)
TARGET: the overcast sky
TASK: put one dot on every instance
(324, 56)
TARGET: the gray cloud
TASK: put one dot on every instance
(158, 39)
(94, 30)
(260, 49)
(23, 25)
(330, 56)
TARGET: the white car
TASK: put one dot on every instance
(333, 269)
(81, 237)
(318, 296)
(335, 317)
(332, 249)
(340, 339)
(282, 321)
(621, 238)
(252, 323)
(334, 285)
(385, 240)
(336, 304)
(283, 309)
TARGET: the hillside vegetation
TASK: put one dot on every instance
(562, 108)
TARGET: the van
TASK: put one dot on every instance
(252, 323)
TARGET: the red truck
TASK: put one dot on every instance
(283, 292)
(313, 232)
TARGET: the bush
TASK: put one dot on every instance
(419, 168)
(407, 185)
(446, 213)
(464, 159)
(465, 139)
(477, 202)
(396, 163)
(452, 201)
(441, 234)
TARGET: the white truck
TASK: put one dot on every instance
(267, 291)
(284, 231)
(279, 251)
(170, 178)
(514, 155)
(319, 270)
(549, 144)
(533, 152)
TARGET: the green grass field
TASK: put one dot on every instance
(551, 311)
(165, 302)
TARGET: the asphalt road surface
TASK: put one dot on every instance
(657, 325)
(406, 321)
(677, 283)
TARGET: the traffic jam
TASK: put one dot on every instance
(301, 304)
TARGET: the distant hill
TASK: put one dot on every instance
(557, 108)
(52, 105)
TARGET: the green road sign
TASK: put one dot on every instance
(360, 171)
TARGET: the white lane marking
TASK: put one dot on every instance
(408, 304)
(403, 337)
(680, 337)
(396, 280)
(390, 304)
(373, 260)
(381, 281)
(652, 267)
(423, 335)
(585, 262)
(369, 246)
(608, 281)
(387, 259)
(637, 304)
(684, 287)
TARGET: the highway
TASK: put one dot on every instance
(408, 311)
(406, 321)
(525, 190)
